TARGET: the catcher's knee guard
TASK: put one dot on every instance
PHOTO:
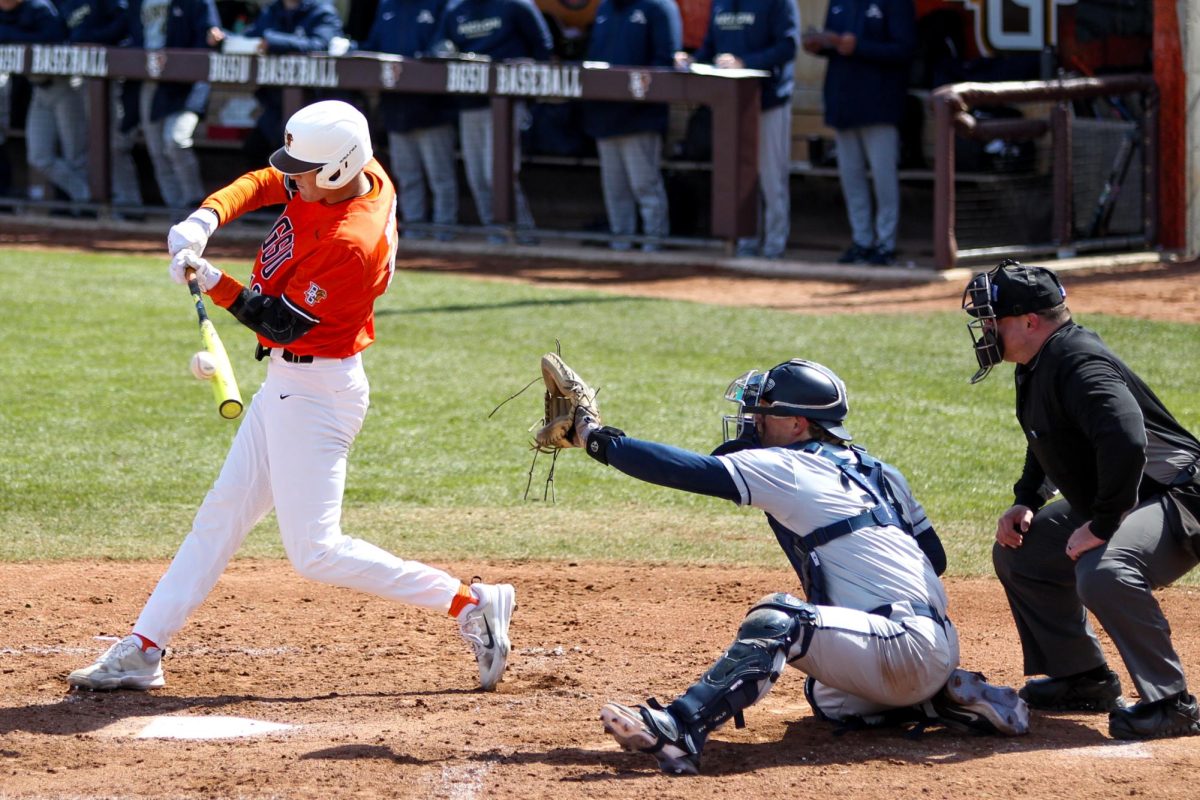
(750, 666)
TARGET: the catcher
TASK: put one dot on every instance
(872, 635)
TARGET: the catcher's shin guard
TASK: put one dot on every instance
(748, 669)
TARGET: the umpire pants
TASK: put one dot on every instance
(1050, 596)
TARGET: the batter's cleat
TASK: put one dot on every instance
(970, 703)
(653, 731)
(1172, 716)
(485, 627)
(125, 665)
(1075, 693)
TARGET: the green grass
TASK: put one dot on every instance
(109, 444)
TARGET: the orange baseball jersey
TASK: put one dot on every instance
(328, 263)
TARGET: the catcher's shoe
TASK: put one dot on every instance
(653, 731)
(1075, 693)
(125, 665)
(968, 702)
(485, 627)
(1172, 716)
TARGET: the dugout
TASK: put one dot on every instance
(1003, 182)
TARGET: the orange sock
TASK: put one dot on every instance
(146, 643)
(462, 599)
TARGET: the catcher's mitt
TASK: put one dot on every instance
(567, 399)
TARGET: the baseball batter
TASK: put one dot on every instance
(310, 300)
(873, 635)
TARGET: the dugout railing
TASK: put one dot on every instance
(1076, 162)
(733, 96)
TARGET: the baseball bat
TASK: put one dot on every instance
(225, 388)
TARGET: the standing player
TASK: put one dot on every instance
(310, 300)
(873, 636)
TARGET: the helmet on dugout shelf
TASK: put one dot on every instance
(330, 137)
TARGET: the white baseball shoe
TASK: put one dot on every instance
(125, 665)
(485, 627)
(969, 702)
(653, 731)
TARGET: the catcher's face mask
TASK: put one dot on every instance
(985, 335)
(745, 390)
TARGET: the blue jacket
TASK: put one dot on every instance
(32, 22)
(868, 86)
(407, 28)
(500, 29)
(632, 33)
(188, 22)
(95, 21)
(764, 34)
(305, 29)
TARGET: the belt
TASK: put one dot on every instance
(261, 352)
(920, 609)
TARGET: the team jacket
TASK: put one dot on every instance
(636, 33)
(764, 34)
(32, 22)
(95, 21)
(1096, 431)
(868, 86)
(407, 28)
(305, 29)
(499, 29)
(326, 263)
(188, 22)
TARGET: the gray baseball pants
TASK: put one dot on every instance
(475, 134)
(423, 160)
(876, 147)
(1050, 596)
(56, 135)
(631, 176)
(169, 142)
(774, 184)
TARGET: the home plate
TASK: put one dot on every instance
(208, 728)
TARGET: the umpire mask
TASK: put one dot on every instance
(985, 338)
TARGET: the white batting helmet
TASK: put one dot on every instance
(331, 137)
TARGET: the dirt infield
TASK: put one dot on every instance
(381, 702)
(379, 698)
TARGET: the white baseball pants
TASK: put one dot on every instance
(290, 454)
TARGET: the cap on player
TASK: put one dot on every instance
(1017, 289)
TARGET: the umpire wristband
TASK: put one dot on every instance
(598, 441)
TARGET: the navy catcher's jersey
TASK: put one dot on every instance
(866, 569)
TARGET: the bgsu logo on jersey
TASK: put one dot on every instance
(278, 246)
(314, 294)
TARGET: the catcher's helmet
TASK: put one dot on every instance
(795, 388)
(330, 137)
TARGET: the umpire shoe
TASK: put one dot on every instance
(1172, 716)
(125, 665)
(1084, 692)
(653, 731)
(969, 702)
(485, 627)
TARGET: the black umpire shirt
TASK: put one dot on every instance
(1097, 432)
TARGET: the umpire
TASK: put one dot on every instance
(1128, 521)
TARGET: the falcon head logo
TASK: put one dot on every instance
(287, 141)
(314, 294)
